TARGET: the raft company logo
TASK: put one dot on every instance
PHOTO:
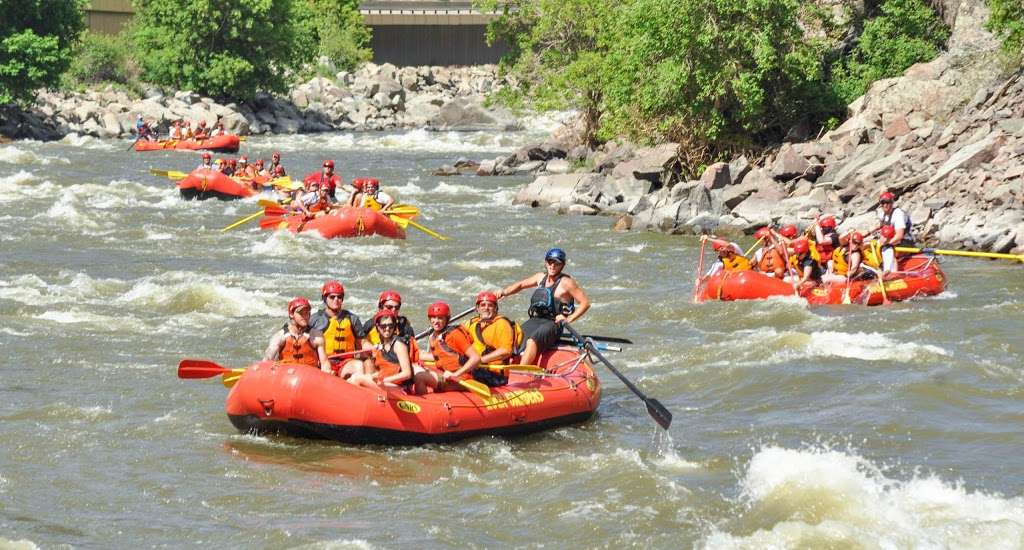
(409, 407)
(515, 398)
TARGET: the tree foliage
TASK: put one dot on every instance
(1007, 22)
(906, 32)
(223, 48)
(100, 58)
(35, 48)
(342, 33)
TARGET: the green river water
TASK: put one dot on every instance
(795, 427)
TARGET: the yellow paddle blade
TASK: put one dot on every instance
(475, 386)
(407, 212)
(399, 221)
(426, 230)
(231, 378)
(285, 182)
(242, 138)
(267, 203)
(171, 174)
(242, 221)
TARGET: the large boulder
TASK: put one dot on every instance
(553, 189)
(469, 114)
(650, 163)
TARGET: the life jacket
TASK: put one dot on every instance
(369, 201)
(477, 333)
(868, 257)
(404, 334)
(815, 268)
(770, 259)
(386, 361)
(321, 205)
(444, 356)
(339, 336)
(544, 304)
(736, 263)
(826, 247)
(331, 183)
(908, 240)
(299, 350)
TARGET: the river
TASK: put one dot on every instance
(841, 427)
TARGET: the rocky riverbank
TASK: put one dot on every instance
(374, 97)
(947, 137)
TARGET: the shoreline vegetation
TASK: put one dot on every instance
(694, 117)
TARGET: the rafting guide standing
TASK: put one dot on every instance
(557, 299)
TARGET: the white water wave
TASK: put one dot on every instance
(15, 155)
(20, 544)
(822, 498)
(176, 294)
(89, 142)
(870, 346)
(484, 265)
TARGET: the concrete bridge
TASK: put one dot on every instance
(405, 32)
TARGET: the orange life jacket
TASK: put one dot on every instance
(386, 362)
(444, 356)
(300, 351)
(771, 261)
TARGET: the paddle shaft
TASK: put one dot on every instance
(968, 253)
(658, 412)
(456, 318)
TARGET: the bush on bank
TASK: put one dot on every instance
(102, 59)
(716, 76)
(1007, 22)
(342, 34)
(35, 48)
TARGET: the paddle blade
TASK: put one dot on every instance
(659, 413)
(477, 387)
(199, 368)
(271, 222)
(427, 230)
(267, 203)
(230, 378)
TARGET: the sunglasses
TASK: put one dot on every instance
(386, 325)
(885, 202)
(335, 296)
(392, 307)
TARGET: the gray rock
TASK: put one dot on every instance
(788, 164)
(1013, 126)
(469, 115)
(446, 170)
(558, 166)
(649, 163)
(738, 169)
(486, 168)
(530, 167)
(970, 156)
(716, 176)
(548, 190)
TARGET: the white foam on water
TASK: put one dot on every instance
(64, 210)
(185, 293)
(637, 247)
(484, 265)
(158, 236)
(585, 509)
(89, 142)
(20, 544)
(24, 185)
(341, 544)
(812, 498)
(870, 346)
(13, 155)
(285, 244)
(77, 317)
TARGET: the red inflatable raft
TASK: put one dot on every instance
(918, 275)
(204, 183)
(227, 143)
(302, 401)
(344, 221)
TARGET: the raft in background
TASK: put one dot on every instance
(301, 401)
(918, 275)
(226, 143)
(341, 222)
(204, 183)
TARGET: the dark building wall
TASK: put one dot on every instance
(406, 45)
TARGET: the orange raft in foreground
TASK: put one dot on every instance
(302, 401)
(918, 275)
(344, 221)
(227, 143)
(204, 183)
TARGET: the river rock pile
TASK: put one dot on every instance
(374, 97)
(947, 138)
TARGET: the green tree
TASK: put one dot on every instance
(223, 48)
(1007, 22)
(36, 45)
(342, 33)
(906, 32)
(100, 58)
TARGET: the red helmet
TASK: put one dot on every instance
(486, 296)
(888, 231)
(800, 246)
(259, 162)
(887, 196)
(297, 303)
(720, 246)
(329, 164)
(388, 295)
(439, 309)
(206, 156)
(202, 124)
(762, 233)
(371, 182)
(358, 183)
(384, 314)
(828, 222)
(232, 163)
(856, 237)
(332, 287)
(788, 231)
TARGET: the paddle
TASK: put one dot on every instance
(700, 270)
(476, 387)
(201, 368)
(752, 247)
(403, 223)
(612, 339)
(132, 146)
(969, 253)
(880, 273)
(658, 412)
(171, 174)
(452, 320)
(846, 291)
(243, 221)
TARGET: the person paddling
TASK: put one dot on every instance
(495, 338)
(451, 348)
(298, 342)
(207, 162)
(371, 196)
(557, 299)
(845, 264)
(327, 179)
(730, 256)
(201, 131)
(275, 168)
(342, 329)
(768, 260)
(826, 238)
(808, 269)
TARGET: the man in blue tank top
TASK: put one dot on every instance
(557, 298)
